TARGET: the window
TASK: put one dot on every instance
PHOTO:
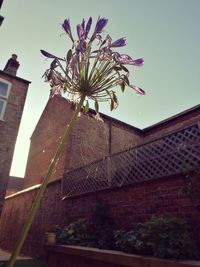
(4, 94)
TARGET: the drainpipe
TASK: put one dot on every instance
(110, 139)
(109, 167)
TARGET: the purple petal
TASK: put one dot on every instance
(82, 31)
(119, 43)
(79, 31)
(138, 62)
(101, 23)
(141, 91)
(123, 58)
(88, 26)
(126, 59)
(67, 28)
(83, 24)
(47, 54)
(137, 89)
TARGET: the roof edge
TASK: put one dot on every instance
(172, 118)
(15, 77)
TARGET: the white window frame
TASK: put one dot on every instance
(4, 98)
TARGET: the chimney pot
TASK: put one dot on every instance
(12, 65)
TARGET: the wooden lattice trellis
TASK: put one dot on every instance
(169, 155)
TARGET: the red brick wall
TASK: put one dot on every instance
(9, 127)
(15, 184)
(171, 125)
(124, 137)
(89, 142)
(45, 139)
(127, 205)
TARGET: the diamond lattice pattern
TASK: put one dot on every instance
(169, 155)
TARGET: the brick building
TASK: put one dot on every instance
(13, 92)
(147, 174)
(91, 140)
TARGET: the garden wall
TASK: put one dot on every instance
(91, 257)
(127, 205)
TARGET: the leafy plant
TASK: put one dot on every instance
(165, 237)
(76, 233)
(128, 241)
(168, 237)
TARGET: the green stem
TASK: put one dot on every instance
(43, 186)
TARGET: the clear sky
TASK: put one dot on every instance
(165, 33)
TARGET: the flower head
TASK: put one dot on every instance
(88, 72)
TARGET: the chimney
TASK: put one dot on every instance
(12, 65)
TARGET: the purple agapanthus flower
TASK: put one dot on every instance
(101, 23)
(138, 62)
(138, 90)
(67, 28)
(83, 30)
(47, 54)
(93, 72)
(119, 43)
(88, 26)
(80, 31)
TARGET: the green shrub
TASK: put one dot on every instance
(168, 238)
(76, 233)
(128, 241)
(164, 237)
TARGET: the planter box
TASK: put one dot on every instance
(70, 256)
